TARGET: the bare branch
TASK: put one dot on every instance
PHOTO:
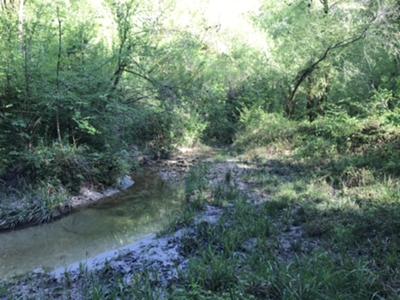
(311, 68)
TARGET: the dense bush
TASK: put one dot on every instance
(349, 146)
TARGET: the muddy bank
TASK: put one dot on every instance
(162, 258)
(87, 195)
(178, 166)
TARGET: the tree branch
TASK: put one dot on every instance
(139, 75)
(311, 68)
(133, 100)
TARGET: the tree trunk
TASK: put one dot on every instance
(326, 6)
(58, 77)
(311, 99)
(21, 24)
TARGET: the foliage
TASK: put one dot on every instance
(81, 80)
(307, 91)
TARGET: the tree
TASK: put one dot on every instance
(318, 46)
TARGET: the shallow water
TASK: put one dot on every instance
(105, 225)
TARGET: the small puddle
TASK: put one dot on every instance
(108, 224)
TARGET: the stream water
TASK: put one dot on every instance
(104, 225)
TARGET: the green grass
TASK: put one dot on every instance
(196, 181)
(345, 209)
(37, 206)
(182, 220)
(246, 255)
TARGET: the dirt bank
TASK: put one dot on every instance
(87, 195)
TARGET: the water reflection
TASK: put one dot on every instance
(111, 223)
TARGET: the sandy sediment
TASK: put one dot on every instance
(87, 195)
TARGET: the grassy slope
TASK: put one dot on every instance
(306, 240)
(325, 224)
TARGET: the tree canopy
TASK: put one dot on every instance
(155, 74)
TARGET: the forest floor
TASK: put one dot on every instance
(257, 226)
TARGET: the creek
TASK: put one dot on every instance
(107, 224)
